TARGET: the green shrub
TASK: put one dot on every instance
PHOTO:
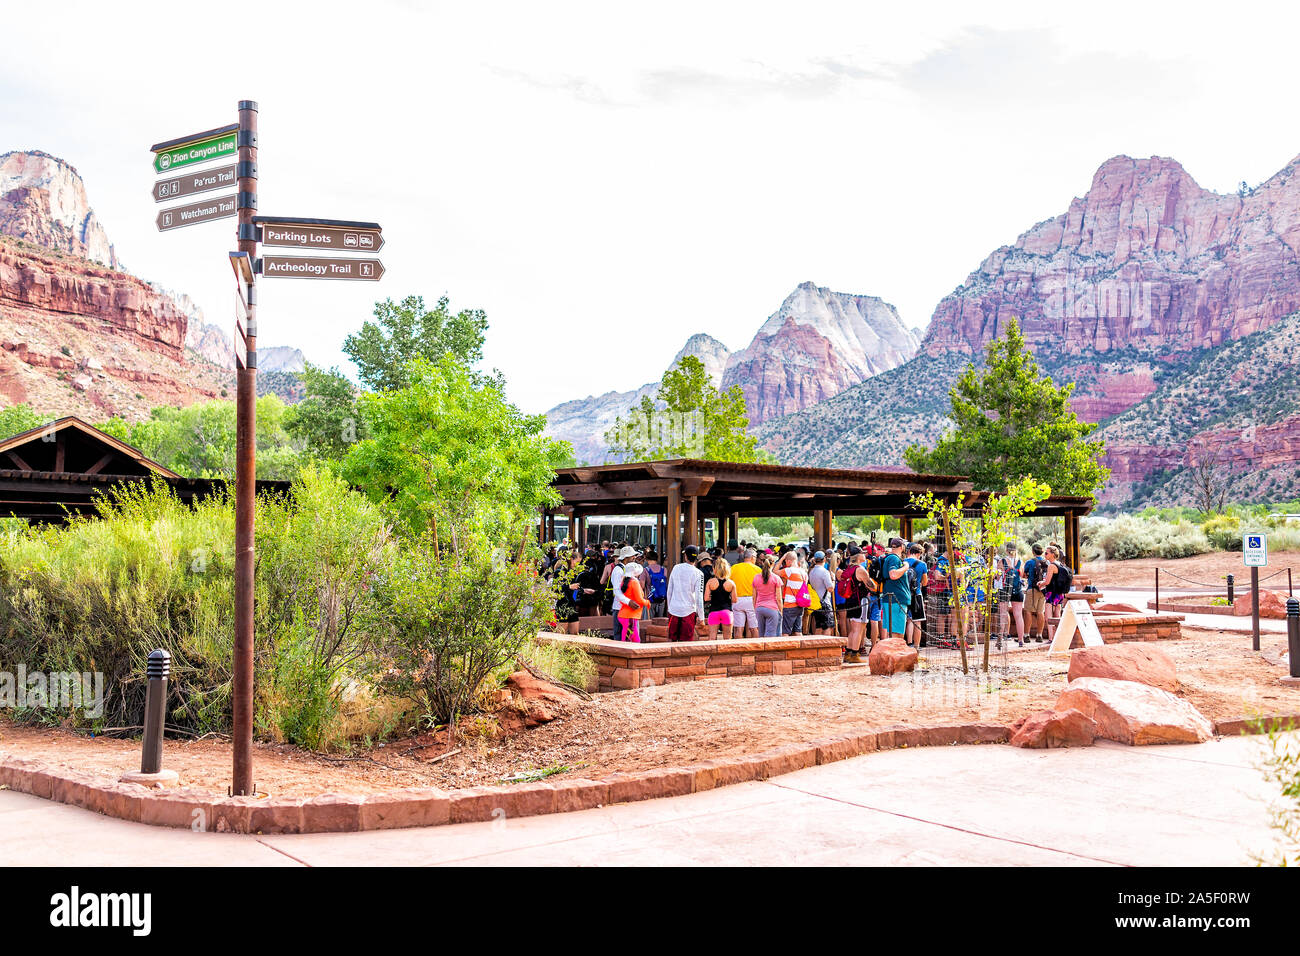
(100, 593)
(567, 663)
(446, 620)
(1128, 537)
(1223, 532)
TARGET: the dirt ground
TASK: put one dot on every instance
(1202, 569)
(684, 723)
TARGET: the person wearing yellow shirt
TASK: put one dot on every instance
(744, 618)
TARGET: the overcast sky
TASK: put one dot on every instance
(606, 179)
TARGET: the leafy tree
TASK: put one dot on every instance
(327, 421)
(689, 418)
(979, 539)
(403, 331)
(453, 458)
(17, 419)
(1010, 422)
(198, 441)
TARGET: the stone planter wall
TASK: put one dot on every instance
(621, 666)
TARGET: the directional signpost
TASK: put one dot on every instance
(221, 143)
(222, 207)
(321, 234)
(194, 181)
(172, 160)
(301, 267)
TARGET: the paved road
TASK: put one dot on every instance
(1105, 805)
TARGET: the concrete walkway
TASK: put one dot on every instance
(1195, 805)
(1139, 597)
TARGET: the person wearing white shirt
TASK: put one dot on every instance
(685, 597)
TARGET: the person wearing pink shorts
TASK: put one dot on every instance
(719, 594)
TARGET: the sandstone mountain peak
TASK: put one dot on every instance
(708, 350)
(1146, 258)
(43, 201)
(818, 343)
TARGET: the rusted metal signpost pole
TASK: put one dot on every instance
(245, 462)
(173, 161)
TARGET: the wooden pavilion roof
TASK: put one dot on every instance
(65, 466)
(754, 489)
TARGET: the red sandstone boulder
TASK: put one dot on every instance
(1271, 604)
(1133, 713)
(531, 688)
(891, 656)
(1117, 606)
(1128, 661)
(1056, 728)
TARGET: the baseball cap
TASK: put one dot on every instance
(692, 552)
(896, 542)
(854, 551)
(818, 554)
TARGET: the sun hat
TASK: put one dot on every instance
(625, 553)
(632, 570)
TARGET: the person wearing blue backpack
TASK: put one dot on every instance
(658, 580)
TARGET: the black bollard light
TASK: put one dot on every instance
(1231, 593)
(1293, 635)
(155, 706)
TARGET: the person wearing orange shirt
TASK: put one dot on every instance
(634, 601)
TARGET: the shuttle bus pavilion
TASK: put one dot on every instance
(682, 494)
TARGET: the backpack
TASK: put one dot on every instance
(1033, 572)
(876, 574)
(658, 585)
(847, 586)
(1062, 579)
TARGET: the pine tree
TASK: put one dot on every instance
(1010, 421)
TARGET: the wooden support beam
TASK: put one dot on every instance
(19, 462)
(673, 519)
(60, 453)
(693, 521)
(97, 466)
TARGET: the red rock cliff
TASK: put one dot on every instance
(1147, 258)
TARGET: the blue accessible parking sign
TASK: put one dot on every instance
(1254, 550)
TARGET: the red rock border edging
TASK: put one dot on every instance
(430, 806)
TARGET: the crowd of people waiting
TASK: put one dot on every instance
(863, 592)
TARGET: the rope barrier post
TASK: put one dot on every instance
(1157, 590)
(1254, 611)
(1231, 594)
